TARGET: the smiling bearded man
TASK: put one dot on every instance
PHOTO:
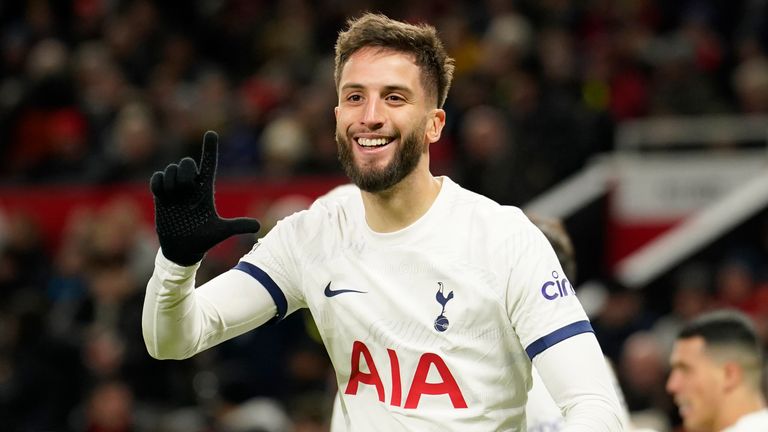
(432, 301)
(372, 179)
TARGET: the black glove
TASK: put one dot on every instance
(186, 220)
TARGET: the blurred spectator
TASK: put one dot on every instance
(110, 409)
(318, 123)
(285, 146)
(736, 284)
(101, 91)
(253, 415)
(487, 144)
(691, 296)
(311, 412)
(621, 315)
(24, 263)
(131, 150)
(505, 43)
(750, 80)
(642, 373)
(49, 136)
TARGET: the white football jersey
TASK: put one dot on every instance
(430, 328)
(757, 421)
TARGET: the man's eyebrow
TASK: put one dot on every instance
(387, 89)
(397, 88)
(354, 86)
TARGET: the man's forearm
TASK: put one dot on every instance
(575, 373)
(169, 332)
(179, 321)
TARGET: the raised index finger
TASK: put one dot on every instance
(210, 154)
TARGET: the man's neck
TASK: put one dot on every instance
(403, 204)
(742, 404)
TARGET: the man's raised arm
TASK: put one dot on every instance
(179, 320)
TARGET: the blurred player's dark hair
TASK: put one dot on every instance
(558, 237)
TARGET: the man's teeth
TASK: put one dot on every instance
(372, 142)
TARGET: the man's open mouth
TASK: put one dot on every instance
(373, 142)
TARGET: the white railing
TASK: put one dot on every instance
(667, 132)
(682, 241)
(575, 192)
(706, 224)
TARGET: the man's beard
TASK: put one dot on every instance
(371, 179)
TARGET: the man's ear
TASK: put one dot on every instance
(336, 112)
(733, 375)
(435, 125)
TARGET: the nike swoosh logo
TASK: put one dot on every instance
(330, 293)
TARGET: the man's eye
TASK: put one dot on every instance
(354, 98)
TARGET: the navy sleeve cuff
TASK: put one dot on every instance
(559, 335)
(277, 294)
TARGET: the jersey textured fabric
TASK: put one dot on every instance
(429, 328)
(179, 321)
(543, 414)
(757, 421)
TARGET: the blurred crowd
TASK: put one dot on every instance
(100, 91)
(108, 91)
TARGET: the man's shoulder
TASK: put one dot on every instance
(485, 211)
(337, 208)
(339, 194)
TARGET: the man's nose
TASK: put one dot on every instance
(373, 114)
(672, 383)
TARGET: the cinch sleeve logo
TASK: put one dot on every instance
(556, 288)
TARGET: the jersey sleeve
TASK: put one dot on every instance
(583, 390)
(275, 262)
(179, 320)
(541, 411)
(541, 301)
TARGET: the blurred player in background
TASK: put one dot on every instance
(432, 301)
(717, 374)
